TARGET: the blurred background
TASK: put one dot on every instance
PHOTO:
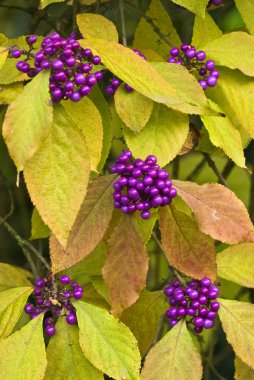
(24, 17)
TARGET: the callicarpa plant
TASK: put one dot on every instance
(127, 190)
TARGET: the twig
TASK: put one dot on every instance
(74, 15)
(213, 166)
(176, 166)
(121, 8)
(150, 21)
(196, 170)
(228, 169)
(176, 273)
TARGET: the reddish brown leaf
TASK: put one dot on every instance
(126, 265)
(186, 247)
(218, 211)
(89, 228)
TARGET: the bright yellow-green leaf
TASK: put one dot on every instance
(65, 358)
(90, 226)
(133, 108)
(12, 302)
(101, 104)
(27, 123)
(23, 353)
(107, 343)
(101, 287)
(12, 277)
(3, 56)
(242, 371)
(205, 31)
(134, 70)
(173, 357)
(87, 117)
(235, 95)
(236, 264)
(196, 6)
(238, 323)
(39, 229)
(96, 26)
(187, 88)
(147, 311)
(9, 93)
(246, 9)
(234, 50)
(57, 176)
(45, 3)
(223, 134)
(163, 136)
(147, 38)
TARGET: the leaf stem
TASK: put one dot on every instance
(213, 166)
(176, 273)
(123, 25)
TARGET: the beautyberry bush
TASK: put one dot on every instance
(127, 190)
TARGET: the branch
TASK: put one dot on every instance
(196, 170)
(228, 169)
(121, 7)
(176, 273)
(213, 166)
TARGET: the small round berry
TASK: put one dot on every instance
(211, 315)
(215, 306)
(39, 56)
(176, 283)
(57, 64)
(202, 71)
(79, 78)
(174, 52)
(169, 290)
(71, 319)
(40, 301)
(215, 73)
(198, 322)
(203, 300)
(201, 55)
(157, 200)
(173, 322)
(171, 60)
(45, 64)
(128, 88)
(74, 284)
(75, 97)
(173, 193)
(211, 81)
(202, 312)
(67, 294)
(115, 83)
(212, 294)
(88, 53)
(77, 294)
(191, 312)
(181, 312)
(48, 321)
(184, 47)
(190, 53)
(209, 323)
(96, 60)
(28, 308)
(31, 39)
(64, 279)
(39, 283)
(172, 312)
(98, 75)
(198, 330)
(91, 80)
(203, 83)
(70, 61)
(16, 53)
(37, 291)
(50, 330)
(210, 65)
(48, 303)
(145, 215)
(195, 305)
(206, 282)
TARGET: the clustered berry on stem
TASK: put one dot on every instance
(70, 65)
(195, 302)
(215, 3)
(115, 82)
(142, 185)
(53, 298)
(194, 60)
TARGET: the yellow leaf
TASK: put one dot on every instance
(242, 371)
(204, 31)
(96, 26)
(246, 10)
(196, 6)
(3, 56)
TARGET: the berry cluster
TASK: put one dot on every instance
(195, 301)
(54, 299)
(194, 60)
(215, 3)
(115, 82)
(70, 65)
(142, 185)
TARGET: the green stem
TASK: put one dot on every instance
(121, 8)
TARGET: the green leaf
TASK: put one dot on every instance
(39, 229)
(8, 93)
(242, 371)
(147, 311)
(134, 70)
(145, 227)
(223, 134)
(236, 264)
(163, 136)
(101, 287)
(12, 302)
(65, 358)
(58, 174)
(205, 31)
(210, 204)
(173, 356)
(27, 123)
(235, 95)
(12, 277)
(196, 6)
(237, 320)
(90, 225)
(3, 56)
(133, 108)
(147, 38)
(234, 50)
(23, 353)
(109, 345)
(186, 247)
(187, 88)
(126, 265)
(101, 104)
(45, 3)
(96, 26)
(87, 117)
(246, 10)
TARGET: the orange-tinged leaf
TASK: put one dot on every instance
(126, 265)
(186, 247)
(218, 211)
(173, 357)
(90, 226)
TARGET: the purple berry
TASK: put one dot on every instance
(64, 279)
(208, 323)
(174, 52)
(28, 308)
(201, 55)
(71, 319)
(39, 282)
(31, 39)
(50, 330)
(96, 60)
(77, 294)
(145, 215)
(210, 65)
(211, 81)
(16, 53)
(215, 306)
